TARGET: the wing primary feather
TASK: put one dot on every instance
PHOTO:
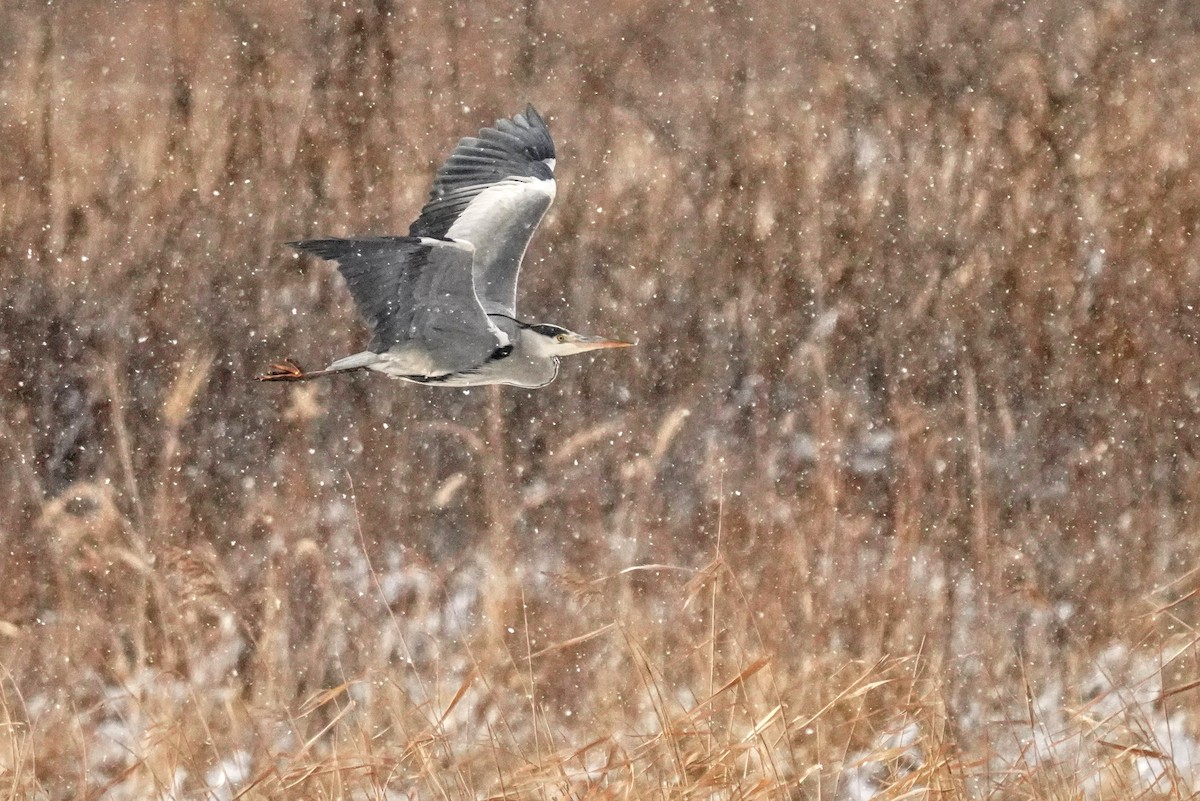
(517, 147)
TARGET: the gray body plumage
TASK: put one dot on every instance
(441, 302)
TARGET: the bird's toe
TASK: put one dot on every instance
(286, 370)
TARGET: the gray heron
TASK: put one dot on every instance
(441, 301)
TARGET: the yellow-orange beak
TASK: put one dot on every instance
(595, 343)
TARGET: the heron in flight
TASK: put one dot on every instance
(442, 301)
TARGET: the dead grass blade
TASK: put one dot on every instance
(582, 638)
(322, 698)
(1182, 688)
(764, 723)
(841, 696)
(747, 672)
(572, 445)
(194, 369)
(467, 681)
(1136, 750)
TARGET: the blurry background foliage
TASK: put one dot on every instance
(915, 286)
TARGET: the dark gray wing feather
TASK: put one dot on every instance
(415, 291)
(519, 147)
(492, 192)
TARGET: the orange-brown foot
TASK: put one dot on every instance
(286, 370)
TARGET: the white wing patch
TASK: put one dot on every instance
(498, 207)
(499, 222)
(501, 337)
(460, 244)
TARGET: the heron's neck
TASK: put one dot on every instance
(534, 345)
(529, 364)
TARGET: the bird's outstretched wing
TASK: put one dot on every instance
(415, 290)
(493, 191)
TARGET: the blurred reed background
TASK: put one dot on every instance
(906, 456)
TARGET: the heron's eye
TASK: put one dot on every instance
(561, 337)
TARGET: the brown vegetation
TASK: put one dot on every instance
(896, 494)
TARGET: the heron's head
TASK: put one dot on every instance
(554, 340)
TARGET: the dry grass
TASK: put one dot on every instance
(896, 496)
